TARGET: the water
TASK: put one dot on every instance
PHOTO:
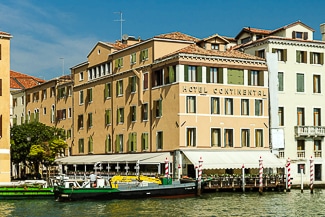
(292, 203)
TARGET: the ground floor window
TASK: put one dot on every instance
(318, 172)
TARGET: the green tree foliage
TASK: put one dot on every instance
(34, 143)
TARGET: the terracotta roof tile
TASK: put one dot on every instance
(5, 33)
(22, 81)
(177, 36)
(258, 31)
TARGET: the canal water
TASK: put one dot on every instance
(292, 203)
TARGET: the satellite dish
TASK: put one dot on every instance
(125, 37)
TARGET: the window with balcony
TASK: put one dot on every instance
(300, 82)
(255, 78)
(318, 148)
(214, 75)
(317, 117)
(301, 148)
(190, 104)
(119, 143)
(229, 138)
(229, 106)
(258, 138)
(235, 76)
(245, 107)
(132, 143)
(301, 56)
(258, 107)
(300, 116)
(191, 137)
(215, 105)
(245, 138)
(316, 84)
(159, 140)
(316, 58)
(192, 73)
(281, 116)
(215, 137)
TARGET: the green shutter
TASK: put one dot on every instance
(160, 108)
(273, 50)
(117, 148)
(284, 54)
(199, 74)
(208, 74)
(186, 73)
(321, 58)
(130, 142)
(311, 57)
(249, 77)
(220, 75)
(171, 74)
(118, 116)
(106, 91)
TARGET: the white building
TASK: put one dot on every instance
(296, 94)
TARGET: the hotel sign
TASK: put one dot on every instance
(225, 91)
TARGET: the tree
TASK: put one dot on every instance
(35, 143)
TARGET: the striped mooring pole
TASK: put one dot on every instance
(311, 175)
(288, 175)
(166, 168)
(199, 177)
(261, 174)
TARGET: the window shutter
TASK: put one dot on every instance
(220, 75)
(256, 53)
(261, 78)
(160, 108)
(106, 91)
(284, 54)
(293, 34)
(0, 87)
(116, 63)
(311, 54)
(186, 73)
(305, 57)
(321, 58)
(1, 125)
(273, 50)
(249, 77)
(135, 141)
(199, 74)
(117, 144)
(130, 142)
(208, 74)
(305, 35)
(171, 74)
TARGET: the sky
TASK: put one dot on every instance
(51, 36)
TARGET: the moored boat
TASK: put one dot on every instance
(125, 187)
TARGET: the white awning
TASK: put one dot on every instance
(233, 159)
(144, 158)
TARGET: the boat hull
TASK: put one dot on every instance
(17, 193)
(161, 191)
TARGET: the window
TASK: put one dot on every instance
(215, 137)
(193, 73)
(157, 78)
(90, 145)
(318, 172)
(190, 104)
(229, 138)
(107, 117)
(133, 113)
(81, 147)
(80, 122)
(214, 46)
(281, 116)
(44, 94)
(300, 116)
(44, 111)
(301, 56)
(170, 76)
(69, 90)
(120, 115)
(81, 97)
(316, 84)
(245, 40)
(119, 62)
(69, 112)
(235, 76)
(191, 137)
(69, 133)
(215, 105)
(214, 75)
(229, 106)
(300, 35)
(119, 143)
(245, 138)
(316, 58)
(90, 95)
(145, 112)
(132, 145)
(108, 144)
(255, 78)
(107, 90)
(144, 55)
(300, 82)
(244, 106)
(318, 148)
(260, 53)
(144, 141)
(301, 148)
(133, 58)
(61, 114)
(119, 88)
(133, 83)
(90, 120)
(61, 92)
(301, 168)
(258, 107)
(280, 81)
(258, 138)
(159, 141)
(145, 81)
(317, 117)
(52, 93)
(281, 53)
(81, 76)
(158, 108)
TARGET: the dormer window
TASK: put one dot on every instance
(245, 40)
(300, 35)
(214, 46)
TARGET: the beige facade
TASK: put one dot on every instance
(5, 107)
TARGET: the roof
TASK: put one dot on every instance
(292, 24)
(177, 36)
(194, 49)
(253, 30)
(144, 158)
(22, 81)
(5, 34)
(233, 159)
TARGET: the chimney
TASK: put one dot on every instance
(322, 30)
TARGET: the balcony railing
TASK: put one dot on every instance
(318, 154)
(281, 154)
(309, 131)
(301, 154)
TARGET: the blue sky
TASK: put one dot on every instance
(45, 31)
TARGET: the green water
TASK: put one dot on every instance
(292, 203)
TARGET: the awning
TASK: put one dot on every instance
(143, 158)
(233, 159)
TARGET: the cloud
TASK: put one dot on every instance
(40, 39)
